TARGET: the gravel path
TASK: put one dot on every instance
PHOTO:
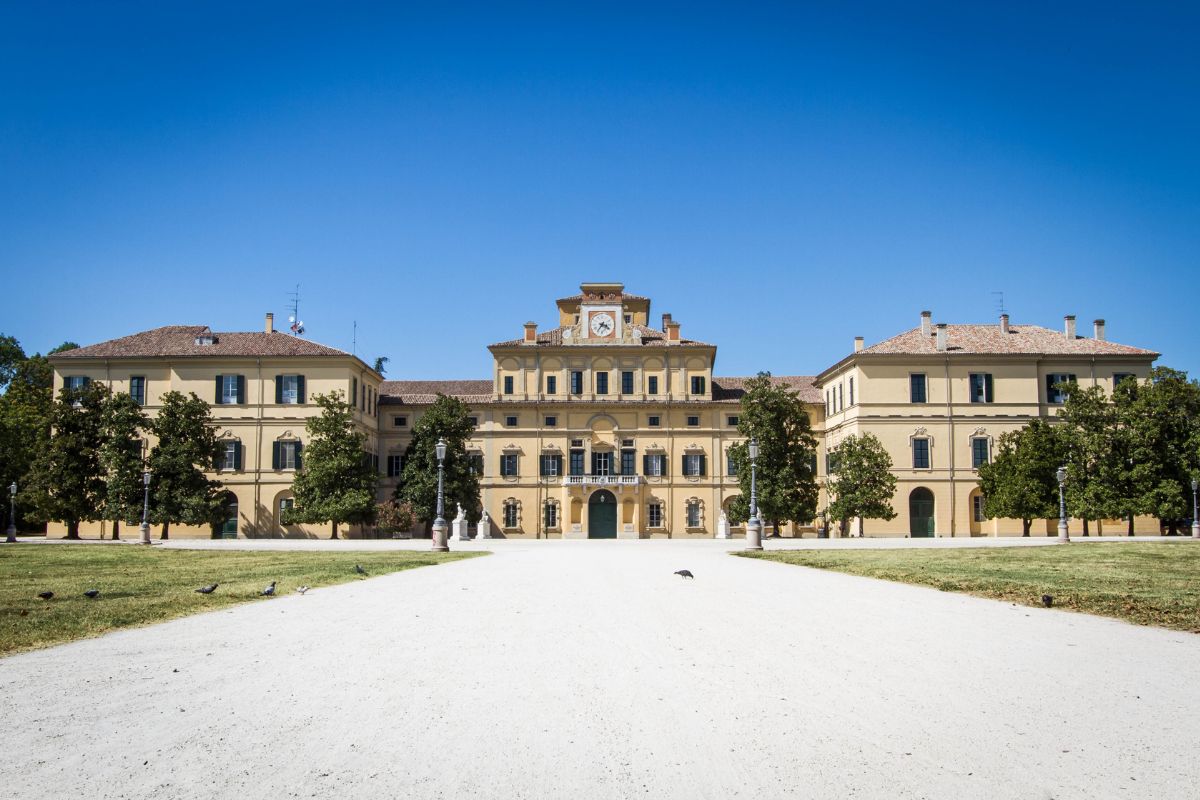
(569, 669)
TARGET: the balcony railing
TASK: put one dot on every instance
(601, 480)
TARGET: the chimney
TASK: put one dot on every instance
(941, 337)
(1069, 321)
(672, 329)
(858, 344)
(530, 333)
(926, 323)
(1004, 323)
(666, 322)
(1098, 328)
(270, 326)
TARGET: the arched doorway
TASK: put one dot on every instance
(602, 515)
(229, 528)
(920, 513)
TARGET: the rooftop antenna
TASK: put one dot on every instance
(998, 296)
(296, 324)
(354, 340)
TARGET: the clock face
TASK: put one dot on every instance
(602, 324)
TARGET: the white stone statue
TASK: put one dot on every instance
(458, 527)
(723, 526)
(483, 528)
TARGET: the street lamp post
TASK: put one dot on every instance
(1063, 536)
(146, 507)
(753, 525)
(11, 533)
(1195, 520)
(439, 524)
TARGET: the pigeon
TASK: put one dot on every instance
(270, 590)
(301, 589)
(92, 594)
(1047, 600)
(358, 568)
(45, 595)
(212, 587)
(685, 573)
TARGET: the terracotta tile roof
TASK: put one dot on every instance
(425, 392)
(987, 339)
(650, 337)
(732, 389)
(179, 341)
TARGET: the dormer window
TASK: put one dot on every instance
(206, 339)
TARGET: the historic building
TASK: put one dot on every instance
(608, 427)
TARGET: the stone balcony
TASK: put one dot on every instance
(601, 480)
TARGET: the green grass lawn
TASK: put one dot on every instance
(1144, 583)
(143, 585)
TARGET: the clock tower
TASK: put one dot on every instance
(601, 312)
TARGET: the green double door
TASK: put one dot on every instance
(920, 513)
(602, 515)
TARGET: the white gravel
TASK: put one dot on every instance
(586, 669)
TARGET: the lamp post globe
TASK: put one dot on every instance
(1195, 517)
(440, 544)
(1063, 535)
(145, 527)
(11, 532)
(753, 525)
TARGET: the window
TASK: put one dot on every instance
(628, 462)
(508, 465)
(916, 387)
(693, 422)
(395, 466)
(732, 421)
(627, 382)
(602, 463)
(286, 455)
(511, 514)
(231, 456)
(289, 389)
(75, 381)
(399, 422)
(576, 382)
(231, 390)
(828, 404)
(551, 384)
(508, 384)
(654, 464)
(851, 391)
(551, 515)
(697, 384)
(286, 504)
(977, 512)
(510, 421)
(601, 382)
(981, 387)
(475, 463)
(576, 462)
(652, 384)
(730, 464)
(354, 391)
(841, 403)
(137, 389)
(693, 464)
(1120, 376)
(628, 319)
(653, 421)
(474, 421)
(654, 515)
(551, 422)
(920, 448)
(1056, 394)
(693, 514)
(979, 452)
(551, 465)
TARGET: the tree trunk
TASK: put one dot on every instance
(72, 529)
(862, 531)
(1085, 526)
(333, 530)
(1130, 525)
(1025, 525)
(166, 531)
(116, 529)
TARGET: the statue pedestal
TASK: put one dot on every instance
(483, 529)
(458, 530)
(723, 527)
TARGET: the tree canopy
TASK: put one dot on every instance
(1020, 482)
(447, 418)
(861, 483)
(187, 448)
(121, 458)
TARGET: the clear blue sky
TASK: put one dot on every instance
(779, 177)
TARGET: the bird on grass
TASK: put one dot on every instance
(1047, 600)
(358, 568)
(91, 594)
(270, 590)
(212, 587)
(301, 589)
(685, 573)
(45, 595)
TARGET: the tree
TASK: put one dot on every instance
(1021, 483)
(861, 481)
(11, 357)
(1089, 437)
(787, 485)
(1162, 416)
(379, 364)
(66, 482)
(187, 448)
(121, 425)
(336, 483)
(393, 517)
(448, 418)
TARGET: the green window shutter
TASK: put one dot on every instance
(645, 465)
(276, 455)
(299, 447)
(987, 387)
(664, 461)
(241, 389)
(683, 465)
(219, 387)
(300, 389)
(237, 456)
(703, 465)
(278, 391)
